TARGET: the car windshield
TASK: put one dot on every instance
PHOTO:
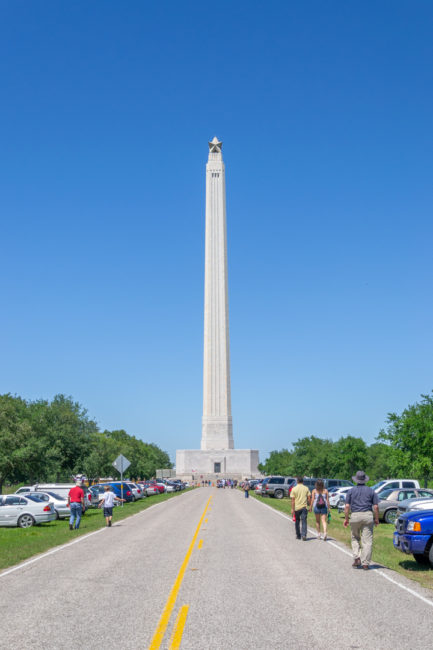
(385, 493)
(34, 497)
(378, 485)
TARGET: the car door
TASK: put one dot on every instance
(12, 509)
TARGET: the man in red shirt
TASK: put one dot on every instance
(76, 504)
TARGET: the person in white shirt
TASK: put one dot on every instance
(108, 500)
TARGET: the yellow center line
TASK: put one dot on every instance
(176, 637)
(171, 600)
(200, 543)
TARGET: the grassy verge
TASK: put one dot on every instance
(384, 552)
(18, 544)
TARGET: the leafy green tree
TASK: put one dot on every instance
(279, 462)
(66, 432)
(380, 461)
(313, 456)
(21, 452)
(350, 454)
(410, 435)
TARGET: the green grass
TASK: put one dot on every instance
(18, 544)
(384, 552)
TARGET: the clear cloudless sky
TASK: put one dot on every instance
(325, 111)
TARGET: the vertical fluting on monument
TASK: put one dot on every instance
(217, 428)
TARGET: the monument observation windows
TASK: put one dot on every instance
(217, 468)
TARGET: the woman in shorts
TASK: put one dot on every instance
(320, 506)
(108, 499)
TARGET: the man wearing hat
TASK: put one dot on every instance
(362, 502)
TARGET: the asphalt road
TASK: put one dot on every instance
(240, 579)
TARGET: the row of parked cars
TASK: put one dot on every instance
(281, 486)
(396, 496)
(35, 504)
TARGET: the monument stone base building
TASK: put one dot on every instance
(217, 456)
(217, 463)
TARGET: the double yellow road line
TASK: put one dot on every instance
(171, 600)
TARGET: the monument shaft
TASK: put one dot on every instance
(217, 456)
(217, 428)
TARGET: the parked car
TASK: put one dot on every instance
(261, 487)
(159, 486)
(329, 483)
(24, 511)
(169, 487)
(414, 535)
(97, 491)
(116, 487)
(181, 484)
(61, 489)
(61, 507)
(395, 484)
(150, 488)
(390, 499)
(420, 503)
(336, 483)
(338, 495)
(136, 490)
(278, 486)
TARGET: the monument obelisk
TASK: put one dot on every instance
(217, 456)
(217, 428)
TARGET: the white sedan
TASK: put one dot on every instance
(61, 507)
(335, 497)
(16, 510)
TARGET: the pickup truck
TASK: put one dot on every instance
(414, 535)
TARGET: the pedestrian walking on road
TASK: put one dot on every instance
(108, 499)
(362, 502)
(320, 505)
(246, 489)
(76, 505)
(301, 500)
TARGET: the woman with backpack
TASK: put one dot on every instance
(320, 506)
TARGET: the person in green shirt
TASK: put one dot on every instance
(301, 499)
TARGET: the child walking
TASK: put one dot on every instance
(108, 499)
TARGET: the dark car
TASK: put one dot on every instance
(116, 488)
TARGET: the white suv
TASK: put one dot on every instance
(395, 484)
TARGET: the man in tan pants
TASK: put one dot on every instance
(362, 502)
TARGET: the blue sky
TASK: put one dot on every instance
(325, 111)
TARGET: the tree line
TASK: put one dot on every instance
(404, 448)
(53, 440)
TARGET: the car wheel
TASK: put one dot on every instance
(57, 514)
(26, 521)
(390, 516)
(133, 498)
(278, 494)
(421, 558)
(430, 556)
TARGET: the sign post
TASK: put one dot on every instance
(121, 464)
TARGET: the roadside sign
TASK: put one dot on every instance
(121, 463)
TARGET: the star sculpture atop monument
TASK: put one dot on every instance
(215, 146)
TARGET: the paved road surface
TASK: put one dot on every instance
(246, 583)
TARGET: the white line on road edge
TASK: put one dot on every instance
(79, 539)
(343, 550)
